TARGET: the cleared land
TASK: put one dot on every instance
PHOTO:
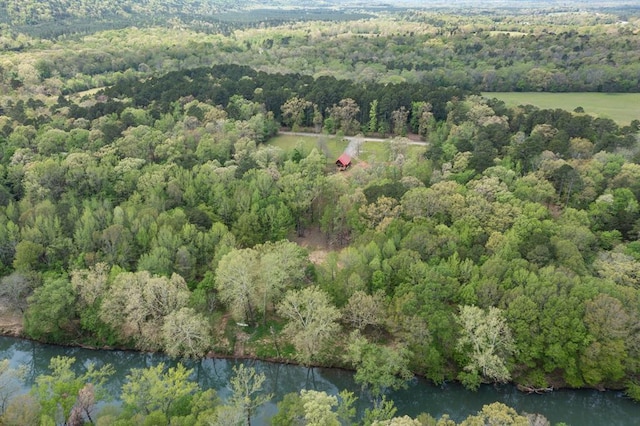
(371, 149)
(620, 107)
(330, 145)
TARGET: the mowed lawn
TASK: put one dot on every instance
(371, 151)
(620, 107)
(331, 146)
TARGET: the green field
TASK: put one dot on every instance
(620, 107)
(379, 151)
(331, 146)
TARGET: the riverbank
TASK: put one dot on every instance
(12, 325)
(11, 322)
(575, 407)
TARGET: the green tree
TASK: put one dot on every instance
(378, 368)
(138, 303)
(247, 391)
(486, 341)
(373, 116)
(51, 310)
(237, 283)
(312, 321)
(23, 410)
(318, 408)
(158, 389)
(496, 414)
(283, 265)
(63, 389)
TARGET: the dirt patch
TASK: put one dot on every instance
(316, 244)
(10, 321)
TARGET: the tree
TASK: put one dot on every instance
(378, 367)
(23, 410)
(186, 333)
(318, 408)
(247, 391)
(16, 287)
(486, 341)
(290, 411)
(609, 323)
(382, 412)
(158, 389)
(237, 283)
(283, 265)
(399, 119)
(496, 414)
(62, 390)
(51, 310)
(293, 111)
(91, 286)
(312, 321)
(138, 304)
(398, 421)
(373, 116)
(344, 115)
(364, 310)
(313, 407)
(11, 382)
(29, 256)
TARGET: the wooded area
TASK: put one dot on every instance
(152, 212)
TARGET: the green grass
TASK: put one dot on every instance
(620, 107)
(331, 146)
(379, 151)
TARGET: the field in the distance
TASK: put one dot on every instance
(620, 107)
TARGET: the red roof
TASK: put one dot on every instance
(344, 160)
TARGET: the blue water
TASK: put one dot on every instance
(574, 407)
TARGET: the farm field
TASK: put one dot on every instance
(620, 107)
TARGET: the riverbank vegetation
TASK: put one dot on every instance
(153, 213)
(162, 395)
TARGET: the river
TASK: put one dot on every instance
(574, 407)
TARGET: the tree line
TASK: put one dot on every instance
(493, 52)
(505, 251)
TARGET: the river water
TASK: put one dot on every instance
(581, 407)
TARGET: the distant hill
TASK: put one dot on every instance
(36, 12)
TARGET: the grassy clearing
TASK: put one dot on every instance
(380, 151)
(331, 146)
(620, 107)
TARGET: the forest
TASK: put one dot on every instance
(144, 204)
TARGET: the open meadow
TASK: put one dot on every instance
(620, 107)
(330, 145)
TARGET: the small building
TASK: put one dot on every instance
(343, 162)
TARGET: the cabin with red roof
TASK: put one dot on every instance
(343, 162)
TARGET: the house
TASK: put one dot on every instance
(343, 162)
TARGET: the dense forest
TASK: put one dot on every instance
(144, 205)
